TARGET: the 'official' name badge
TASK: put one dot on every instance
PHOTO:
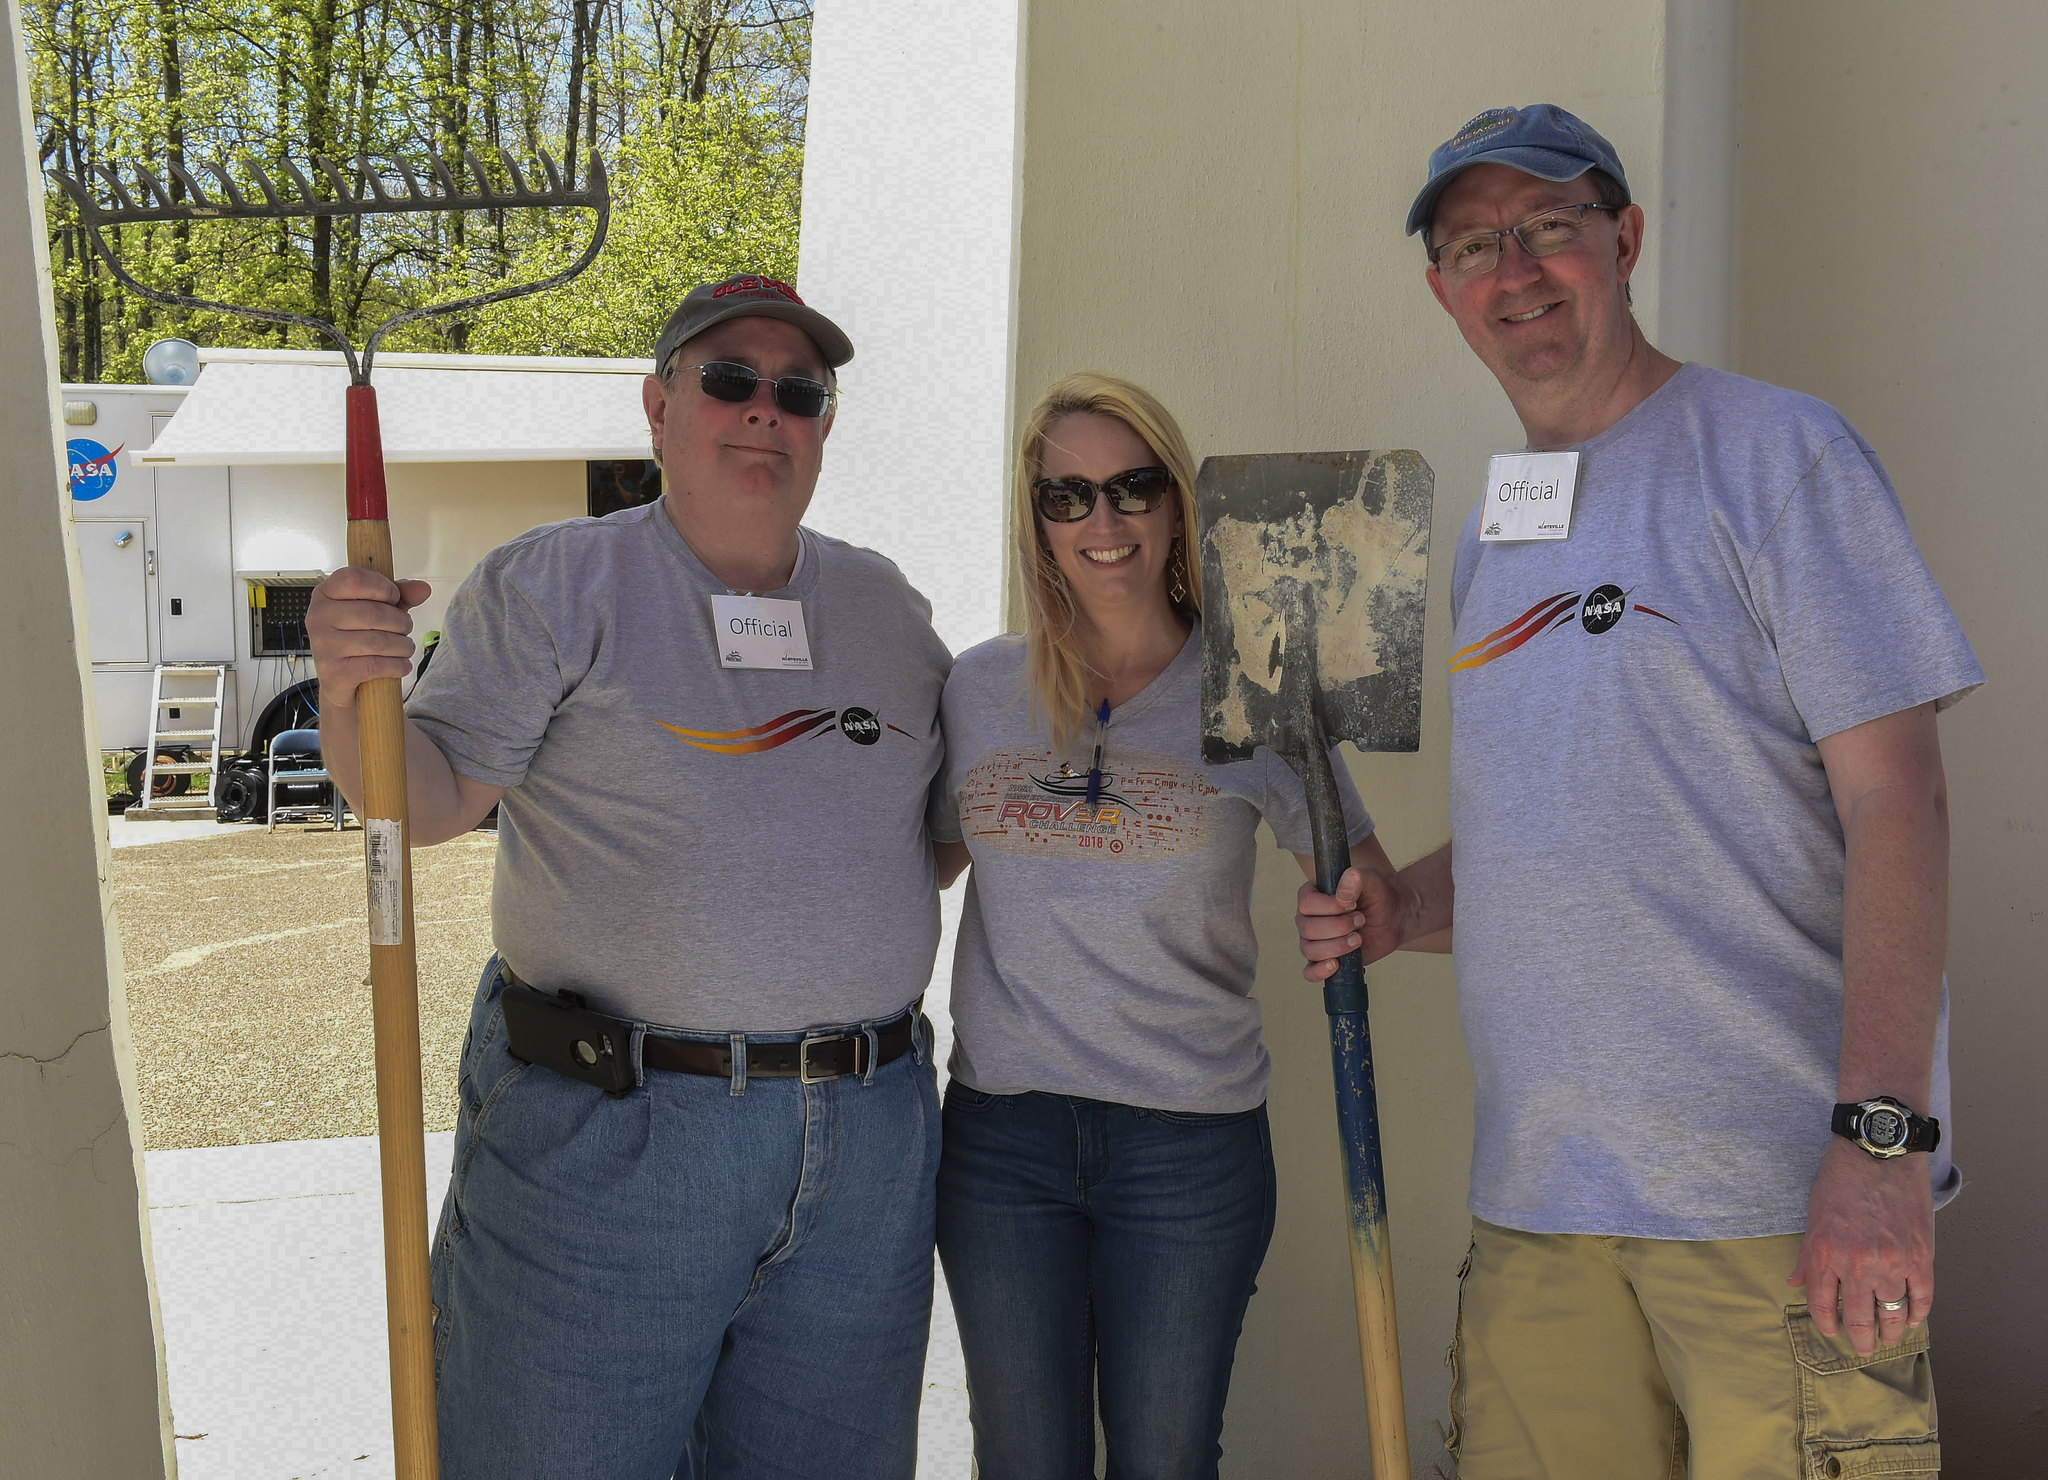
(1529, 496)
(760, 632)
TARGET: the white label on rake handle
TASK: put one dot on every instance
(384, 853)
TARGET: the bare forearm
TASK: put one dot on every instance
(1894, 940)
(1427, 895)
(440, 803)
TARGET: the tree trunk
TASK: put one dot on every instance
(174, 137)
(321, 140)
(576, 48)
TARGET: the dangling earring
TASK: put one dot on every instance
(1177, 573)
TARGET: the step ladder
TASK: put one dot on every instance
(201, 686)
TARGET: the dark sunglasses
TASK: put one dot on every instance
(722, 380)
(1138, 491)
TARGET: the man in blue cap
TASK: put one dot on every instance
(1699, 875)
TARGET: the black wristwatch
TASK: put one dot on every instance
(1886, 1128)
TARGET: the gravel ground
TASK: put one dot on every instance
(247, 960)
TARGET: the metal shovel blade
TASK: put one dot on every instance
(1350, 532)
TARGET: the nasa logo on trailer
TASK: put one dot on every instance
(93, 468)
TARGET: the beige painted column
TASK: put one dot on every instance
(1893, 199)
(1211, 203)
(81, 1360)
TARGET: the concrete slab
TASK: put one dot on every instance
(269, 1265)
(122, 833)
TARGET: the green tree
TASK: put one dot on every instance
(697, 106)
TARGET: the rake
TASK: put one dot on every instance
(358, 191)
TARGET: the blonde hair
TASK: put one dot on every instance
(1054, 668)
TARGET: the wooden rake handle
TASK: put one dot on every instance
(394, 985)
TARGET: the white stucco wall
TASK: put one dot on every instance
(908, 219)
(81, 1362)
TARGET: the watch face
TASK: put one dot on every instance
(1884, 1128)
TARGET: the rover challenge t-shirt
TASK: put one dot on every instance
(1648, 860)
(1108, 951)
(719, 849)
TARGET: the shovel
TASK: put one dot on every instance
(1313, 573)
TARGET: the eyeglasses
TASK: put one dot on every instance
(722, 380)
(1541, 236)
(1137, 491)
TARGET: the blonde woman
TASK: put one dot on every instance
(1106, 1185)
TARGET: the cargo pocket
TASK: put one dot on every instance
(1863, 1416)
(1452, 1434)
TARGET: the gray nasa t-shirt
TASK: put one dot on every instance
(719, 849)
(1109, 954)
(1648, 861)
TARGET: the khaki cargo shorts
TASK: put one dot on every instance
(1592, 1358)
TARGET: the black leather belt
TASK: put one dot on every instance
(558, 1032)
(825, 1056)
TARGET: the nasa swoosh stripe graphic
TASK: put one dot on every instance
(1533, 614)
(778, 731)
(1599, 611)
(774, 724)
(1546, 615)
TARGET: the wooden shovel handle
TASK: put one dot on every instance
(395, 1020)
(1372, 1251)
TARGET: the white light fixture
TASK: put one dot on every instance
(171, 362)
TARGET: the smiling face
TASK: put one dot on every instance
(1539, 321)
(739, 467)
(1113, 563)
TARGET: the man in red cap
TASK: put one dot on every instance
(1699, 869)
(689, 1227)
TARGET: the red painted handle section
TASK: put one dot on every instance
(366, 498)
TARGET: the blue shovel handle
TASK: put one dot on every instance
(1358, 1134)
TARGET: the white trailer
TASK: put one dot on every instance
(205, 514)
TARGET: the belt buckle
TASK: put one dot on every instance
(803, 1058)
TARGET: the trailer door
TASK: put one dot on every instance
(195, 565)
(113, 555)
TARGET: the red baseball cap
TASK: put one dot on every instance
(744, 294)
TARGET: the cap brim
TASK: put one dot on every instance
(831, 340)
(1544, 164)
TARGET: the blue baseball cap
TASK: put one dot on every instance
(1541, 140)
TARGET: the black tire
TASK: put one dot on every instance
(240, 797)
(166, 786)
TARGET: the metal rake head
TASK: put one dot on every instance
(360, 190)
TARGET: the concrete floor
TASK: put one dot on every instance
(245, 965)
(270, 1268)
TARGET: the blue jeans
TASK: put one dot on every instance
(705, 1277)
(1094, 1248)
